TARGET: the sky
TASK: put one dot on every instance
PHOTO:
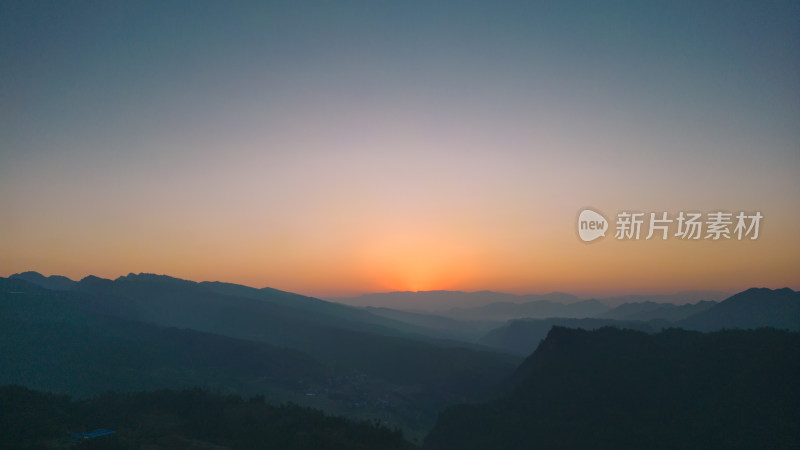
(337, 148)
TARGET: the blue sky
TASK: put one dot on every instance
(389, 145)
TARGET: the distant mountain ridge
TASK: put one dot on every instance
(523, 336)
(750, 309)
(753, 308)
(651, 310)
(501, 307)
(677, 298)
(53, 282)
(536, 309)
(438, 301)
(132, 296)
(443, 302)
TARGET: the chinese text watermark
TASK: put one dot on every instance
(715, 225)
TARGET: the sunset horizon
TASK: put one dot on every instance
(598, 295)
(342, 149)
(399, 225)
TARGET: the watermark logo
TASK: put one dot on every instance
(715, 225)
(591, 225)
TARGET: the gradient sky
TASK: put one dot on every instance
(334, 148)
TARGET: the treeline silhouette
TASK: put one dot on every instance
(185, 419)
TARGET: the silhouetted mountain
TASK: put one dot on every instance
(53, 282)
(370, 367)
(677, 298)
(125, 286)
(438, 301)
(652, 310)
(753, 308)
(49, 341)
(522, 336)
(330, 332)
(325, 310)
(267, 314)
(441, 301)
(190, 419)
(619, 389)
(537, 309)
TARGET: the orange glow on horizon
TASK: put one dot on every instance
(424, 258)
(335, 150)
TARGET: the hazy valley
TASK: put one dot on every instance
(148, 332)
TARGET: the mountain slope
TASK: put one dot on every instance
(339, 339)
(676, 298)
(619, 389)
(111, 335)
(522, 336)
(47, 341)
(652, 310)
(170, 290)
(537, 309)
(465, 330)
(438, 301)
(753, 308)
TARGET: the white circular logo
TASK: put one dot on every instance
(591, 225)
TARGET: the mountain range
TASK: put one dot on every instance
(143, 332)
(150, 331)
(750, 309)
(442, 302)
(753, 308)
(649, 310)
